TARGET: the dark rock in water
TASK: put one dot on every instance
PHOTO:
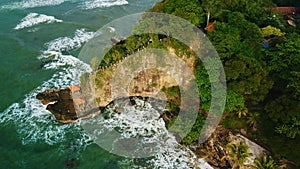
(132, 102)
(48, 96)
(72, 163)
(63, 107)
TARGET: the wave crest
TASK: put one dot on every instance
(34, 123)
(104, 3)
(35, 19)
(24, 4)
(64, 44)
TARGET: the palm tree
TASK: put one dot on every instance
(242, 111)
(237, 154)
(210, 6)
(253, 119)
(266, 162)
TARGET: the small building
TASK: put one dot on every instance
(210, 26)
(285, 10)
(75, 88)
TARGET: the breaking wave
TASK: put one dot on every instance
(34, 122)
(91, 4)
(63, 44)
(24, 4)
(35, 19)
(118, 127)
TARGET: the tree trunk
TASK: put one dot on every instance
(208, 17)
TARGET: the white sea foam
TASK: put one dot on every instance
(24, 4)
(91, 4)
(141, 121)
(35, 19)
(34, 123)
(67, 43)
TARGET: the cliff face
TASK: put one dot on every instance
(143, 74)
(60, 104)
(216, 147)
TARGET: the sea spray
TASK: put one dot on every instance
(24, 4)
(35, 19)
(103, 3)
(64, 44)
(155, 144)
(34, 122)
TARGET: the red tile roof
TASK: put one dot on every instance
(210, 26)
(285, 10)
(75, 88)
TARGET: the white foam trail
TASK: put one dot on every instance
(24, 4)
(91, 4)
(66, 43)
(35, 19)
(55, 59)
(34, 123)
(142, 121)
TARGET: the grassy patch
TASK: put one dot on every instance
(233, 122)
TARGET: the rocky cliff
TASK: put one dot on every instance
(216, 147)
(60, 103)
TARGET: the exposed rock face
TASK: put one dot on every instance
(256, 150)
(142, 74)
(48, 96)
(215, 148)
(63, 107)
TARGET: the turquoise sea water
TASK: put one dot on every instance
(36, 55)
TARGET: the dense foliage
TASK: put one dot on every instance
(260, 54)
(252, 71)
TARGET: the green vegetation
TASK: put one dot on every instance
(286, 2)
(263, 95)
(237, 155)
(266, 162)
(173, 97)
(263, 84)
(194, 134)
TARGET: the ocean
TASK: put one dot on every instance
(39, 46)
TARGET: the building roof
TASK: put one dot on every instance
(285, 10)
(210, 26)
(75, 88)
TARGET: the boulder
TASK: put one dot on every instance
(60, 103)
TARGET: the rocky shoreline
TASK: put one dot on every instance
(68, 105)
(61, 103)
(216, 147)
